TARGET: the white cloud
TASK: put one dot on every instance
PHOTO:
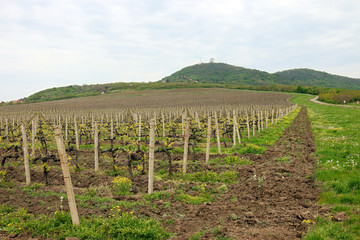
(75, 42)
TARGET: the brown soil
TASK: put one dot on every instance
(271, 200)
(273, 197)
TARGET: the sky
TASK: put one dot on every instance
(50, 43)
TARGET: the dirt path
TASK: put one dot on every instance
(274, 197)
(337, 105)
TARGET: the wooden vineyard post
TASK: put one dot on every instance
(139, 135)
(237, 131)
(217, 134)
(258, 121)
(208, 141)
(67, 178)
(33, 135)
(182, 125)
(262, 121)
(26, 155)
(247, 125)
(13, 124)
(117, 121)
(151, 156)
(272, 116)
(197, 120)
(228, 116)
(163, 124)
(76, 135)
(253, 122)
(186, 144)
(6, 128)
(92, 124)
(66, 129)
(234, 128)
(267, 119)
(112, 128)
(96, 146)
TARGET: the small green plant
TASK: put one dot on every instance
(198, 235)
(236, 160)
(252, 148)
(186, 198)
(231, 159)
(211, 177)
(2, 175)
(167, 205)
(121, 185)
(169, 221)
(157, 195)
(222, 189)
(283, 159)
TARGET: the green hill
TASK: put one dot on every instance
(222, 73)
(214, 75)
(225, 73)
(309, 77)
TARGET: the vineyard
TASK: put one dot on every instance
(180, 164)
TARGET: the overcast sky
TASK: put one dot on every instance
(51, 43)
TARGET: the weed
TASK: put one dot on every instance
(186, 198)
(2, 175)
(121, 185)
(236, 160)
(284, 159)
(157, 195)
(211, 177)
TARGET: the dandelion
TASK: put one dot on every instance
(307, 221)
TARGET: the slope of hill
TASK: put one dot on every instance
(214, 75)
(309, 77)
(222, 73)
(225, 73)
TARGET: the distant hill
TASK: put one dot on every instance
(213, 75)
(222, 73)
(309, 77)
(228, 74)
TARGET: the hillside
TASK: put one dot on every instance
(309, 77)
(225, 73)
(222, 73)
(218, 75)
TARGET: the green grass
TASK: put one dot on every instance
(230, 160)
(337, 139)
(119, 225)
(261, 141)
(189, 199)
(212, 177)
